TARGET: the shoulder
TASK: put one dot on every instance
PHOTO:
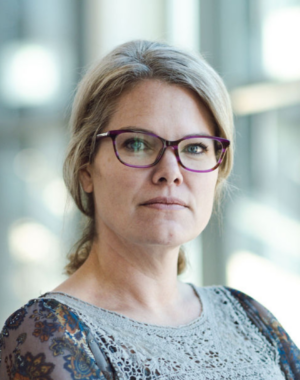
(255, 310)
(270, 327)
(258, 314)
(43, 319)
(47, 338)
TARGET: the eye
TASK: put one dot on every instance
(135, 144)
(195, 148)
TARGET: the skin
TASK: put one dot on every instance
(132, 267)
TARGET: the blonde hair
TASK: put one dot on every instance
(97, 98)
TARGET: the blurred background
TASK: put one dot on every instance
(46, 46)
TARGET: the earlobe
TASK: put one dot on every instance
(86, 179)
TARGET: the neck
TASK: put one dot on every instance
(143, 277)
(137, 281)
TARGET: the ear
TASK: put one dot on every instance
(86, 179)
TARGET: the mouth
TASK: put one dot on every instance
(168, 203)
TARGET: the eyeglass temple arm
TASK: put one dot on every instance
(104, 134)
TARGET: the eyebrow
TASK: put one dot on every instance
(140, 129)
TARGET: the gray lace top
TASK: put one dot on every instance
(221, 344)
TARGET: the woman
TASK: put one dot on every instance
(148, 157)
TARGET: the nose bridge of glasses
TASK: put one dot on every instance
(174, 146)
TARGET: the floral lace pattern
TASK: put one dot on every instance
(221, 344)
(59, 336)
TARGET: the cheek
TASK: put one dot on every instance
(115, 188)
(205, 197)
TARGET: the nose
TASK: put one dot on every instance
(168, 169)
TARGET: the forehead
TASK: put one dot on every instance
(168, 110)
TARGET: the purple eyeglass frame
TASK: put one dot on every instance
(166, 143)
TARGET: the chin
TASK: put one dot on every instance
(172, 237)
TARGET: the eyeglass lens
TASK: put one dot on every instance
(139, 149)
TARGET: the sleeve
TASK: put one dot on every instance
(45, 340)
(274, 332)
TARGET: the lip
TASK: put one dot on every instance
(165, 203)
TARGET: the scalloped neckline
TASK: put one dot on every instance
(197, 290)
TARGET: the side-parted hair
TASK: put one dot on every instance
(96, 100)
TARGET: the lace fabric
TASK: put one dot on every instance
(221, 344)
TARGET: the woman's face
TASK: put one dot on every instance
(164, 205)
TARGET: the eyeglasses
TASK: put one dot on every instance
(139, 149)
